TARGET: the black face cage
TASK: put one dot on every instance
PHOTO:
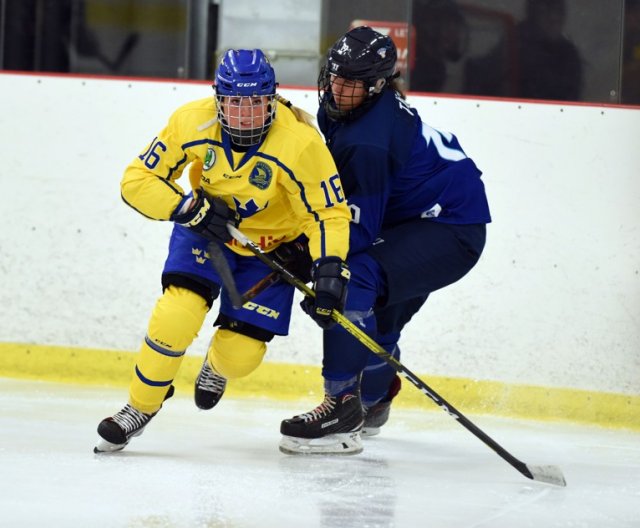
(245, 109)
(325, 98)
(324, 84)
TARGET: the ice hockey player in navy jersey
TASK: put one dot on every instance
(419, 224)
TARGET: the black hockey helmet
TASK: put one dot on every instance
(361, 54)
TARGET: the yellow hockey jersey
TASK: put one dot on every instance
(286, 187)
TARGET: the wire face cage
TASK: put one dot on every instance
(246, 118)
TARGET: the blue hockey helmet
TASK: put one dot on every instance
(248, 78)
(245, 72)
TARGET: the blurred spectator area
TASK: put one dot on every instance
(147, 38)
(575, 50)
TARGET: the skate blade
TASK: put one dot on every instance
(335, 444)
(370, 431)
(107, 447)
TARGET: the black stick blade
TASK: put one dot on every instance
(220, 264)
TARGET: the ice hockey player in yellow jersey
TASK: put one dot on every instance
(254, 160)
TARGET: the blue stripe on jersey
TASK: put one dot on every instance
(292, 176)
(201, 142)
(147, 381)
(323, 241)
(135, 208)
(169, 184)
(189, 145)
(166, 182)
(161, 350)
(303, 196)
(176, 166)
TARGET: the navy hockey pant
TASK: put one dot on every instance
(389, 284)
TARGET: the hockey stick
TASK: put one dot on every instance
(220, 264)
(548, 474)
(260, 286)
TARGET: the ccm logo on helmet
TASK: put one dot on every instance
(246, 85)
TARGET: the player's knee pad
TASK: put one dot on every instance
(235, 355)
(177, 319)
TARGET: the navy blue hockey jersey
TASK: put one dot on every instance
(393, 167)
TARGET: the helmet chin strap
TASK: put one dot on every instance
(378, 86)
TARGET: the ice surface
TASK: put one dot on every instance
(222, 468)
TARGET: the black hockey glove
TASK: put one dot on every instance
(208, 216)
(330, 277)
(295, 257)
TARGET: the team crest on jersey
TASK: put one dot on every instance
(209, 159)
(261, 176)
(248, 208)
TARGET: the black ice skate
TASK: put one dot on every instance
(117, 430)
(209, 387)
(333, 427)
(378, 414)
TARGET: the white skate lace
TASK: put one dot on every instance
(131, 419)
(321, 410)
(210, 381)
